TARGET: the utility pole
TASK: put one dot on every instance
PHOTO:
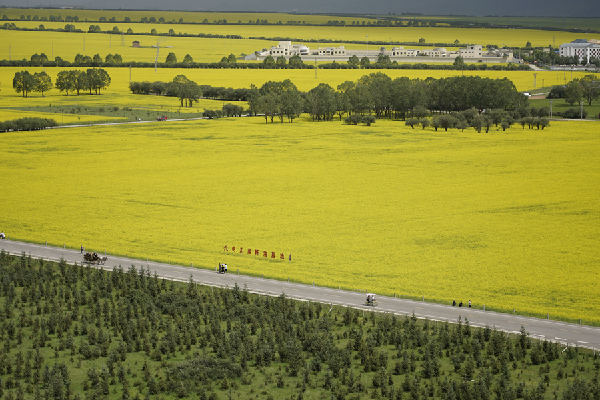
(534, 79)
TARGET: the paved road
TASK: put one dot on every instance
(562, 332)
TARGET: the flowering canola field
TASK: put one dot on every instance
(506, 219)
(23, 44)
(118, 93)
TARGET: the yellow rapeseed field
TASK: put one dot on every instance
(67, 45)
(506, 219)
(118, 93)
(66, 118)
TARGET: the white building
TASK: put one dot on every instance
(286, 49)
(332, 51)
(472, 51)
(581, 48)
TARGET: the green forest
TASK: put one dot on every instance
(74, 332)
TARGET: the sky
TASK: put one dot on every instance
(551, 8)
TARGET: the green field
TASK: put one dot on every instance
(79, 332)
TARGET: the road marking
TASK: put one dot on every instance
(581, 341)
(559, 338)
(512, 322)
(567, 330)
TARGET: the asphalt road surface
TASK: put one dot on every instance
(562, 332)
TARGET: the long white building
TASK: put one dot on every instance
(582, 48)
(473, 53)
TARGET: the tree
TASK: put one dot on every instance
(24, 82)
(365, 61)
(231, 59)
(98, 79)
(459, 63)
(186, 90)
(383, 59)
(171, 58)
(269, 60)
(43, 83)
(321, 102)
(573, 94)
(39, 59)
(379, 85)
(477, 123)
(268, 104)
(66, 81)
(412, 122)
(281, 61)
(590, 88)
(295, 60)
(97, 59)
(342, 103)
(83, 81)
(290, 104)
(188, 59)
(354, 60)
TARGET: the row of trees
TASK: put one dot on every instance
(27, 124)
(25, 83)
(375, 94)
(94, 79)
(384, 97)
(552, 57)
(586, 88)
(185, 90)
(532, 117)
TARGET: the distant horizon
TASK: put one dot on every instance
(454, 8)
(354, 14)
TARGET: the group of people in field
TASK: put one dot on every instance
(222, 268)
(2, 235)
(460, 304)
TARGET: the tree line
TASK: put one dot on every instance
(384, 97)
(375, 94)
(187, 91)
(27, 124)
(585, 89)
(294, 62)
(94, 79)
(142, 336)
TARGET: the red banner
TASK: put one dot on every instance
(257, 252)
